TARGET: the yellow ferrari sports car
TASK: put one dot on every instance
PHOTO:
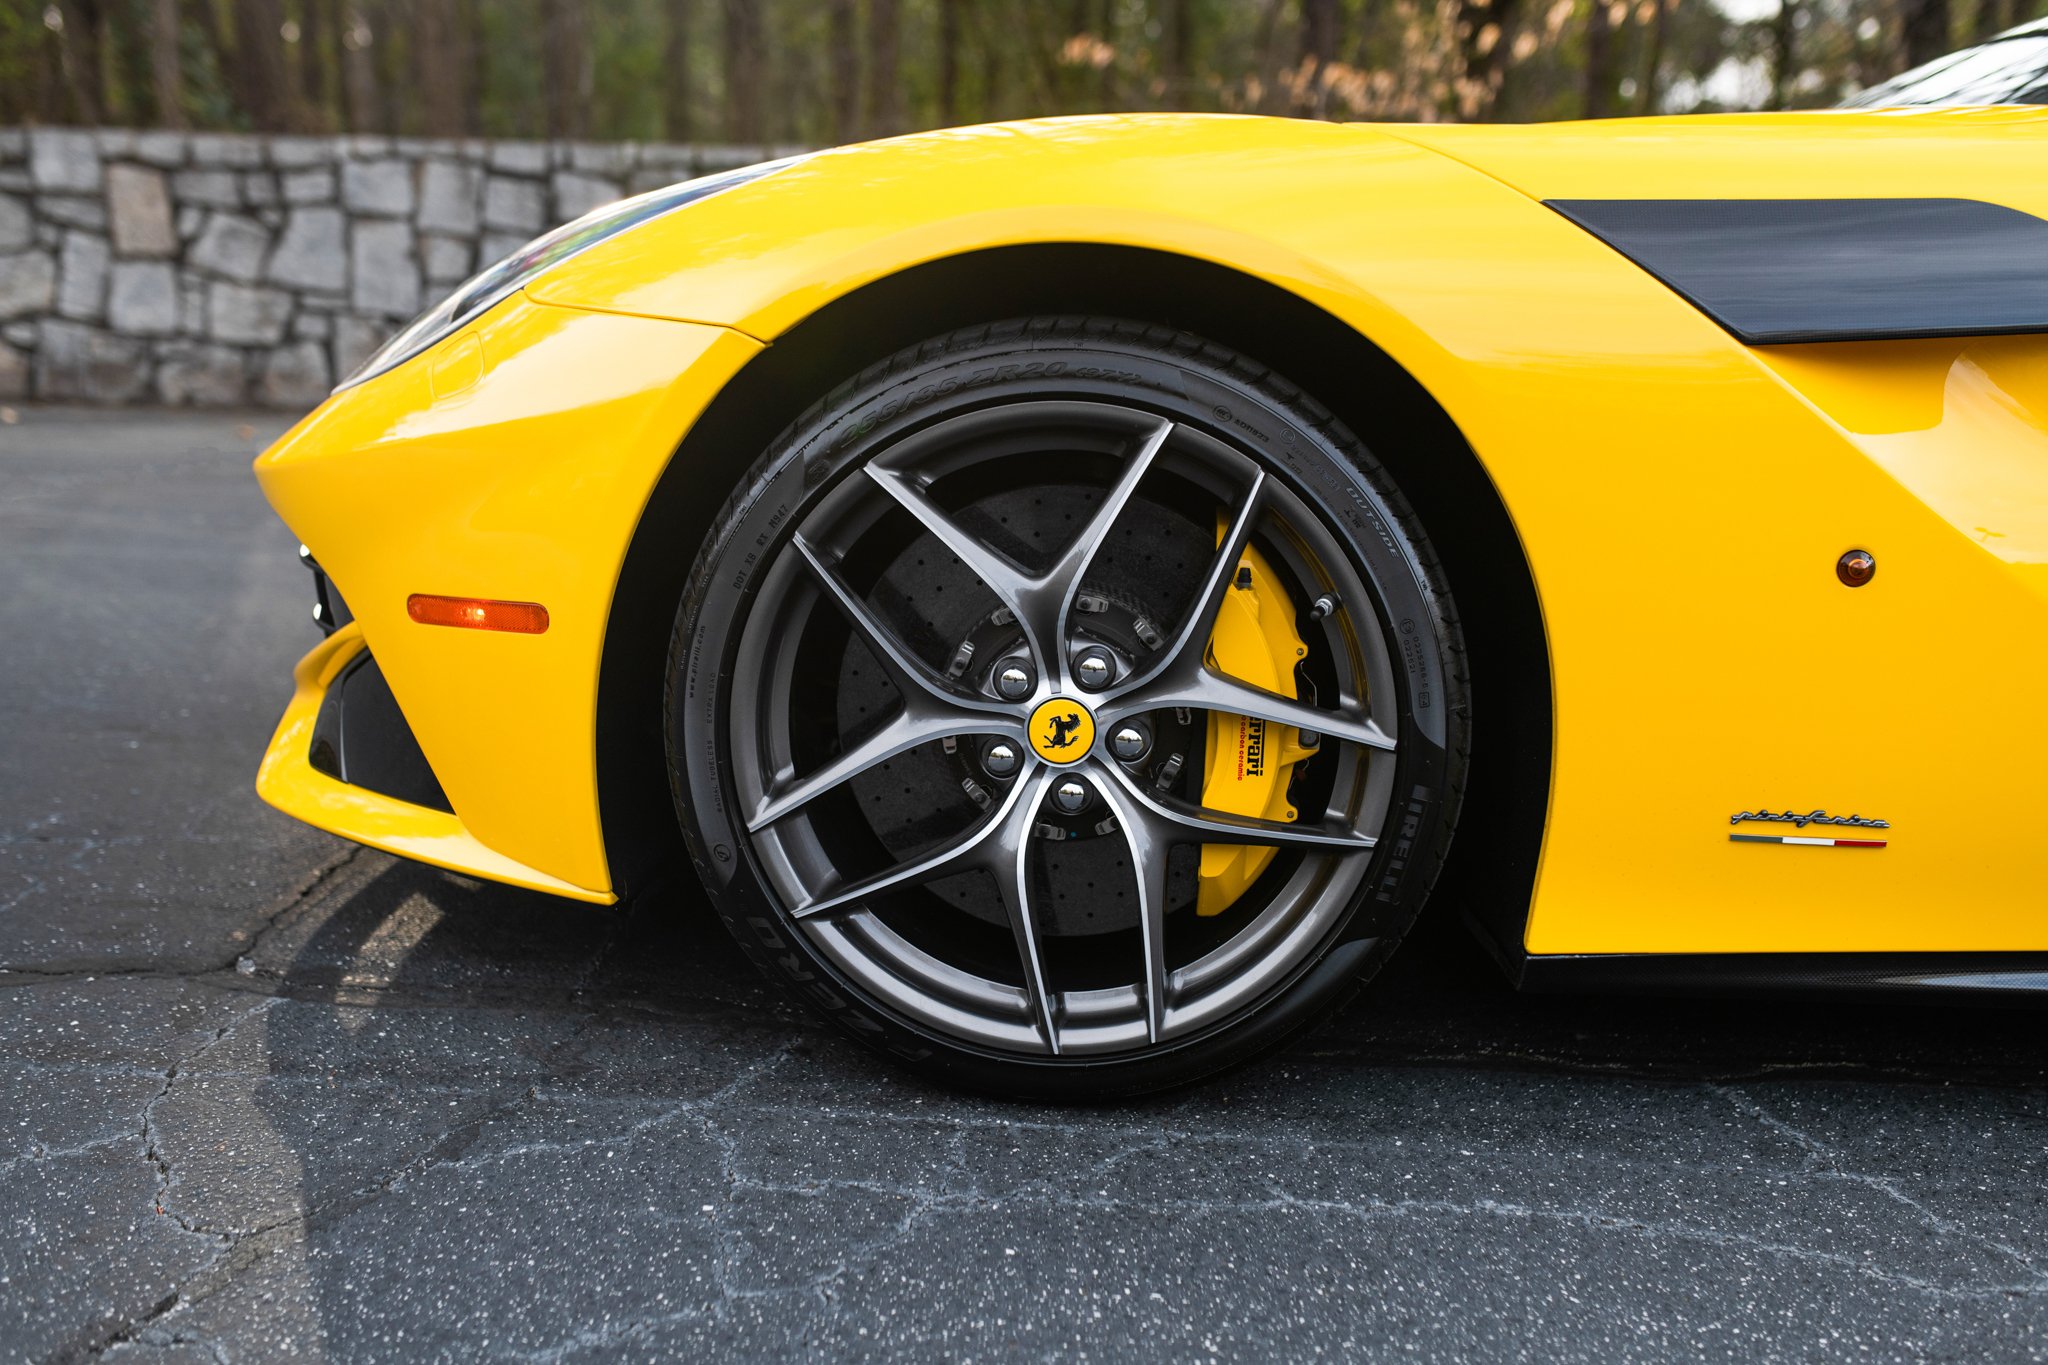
(1072, 587)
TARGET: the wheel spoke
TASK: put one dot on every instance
(1008, 582)
(1013, 875)
(986, 845)
(1063, 582)
(1148, 852)
(1042, 603)
(1192, 639)
(1207, 690)
(1221, 827)
(907, 729)
(912, 676)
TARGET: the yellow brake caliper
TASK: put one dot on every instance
(1250, 761)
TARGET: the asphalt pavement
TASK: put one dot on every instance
(266, 1096)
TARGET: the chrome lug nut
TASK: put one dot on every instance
(1093, 669)
(1129, 743)
(1014, 680)
(999, 760)
(1070, 796)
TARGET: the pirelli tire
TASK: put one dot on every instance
(994, 503)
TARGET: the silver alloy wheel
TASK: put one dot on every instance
(824, 608)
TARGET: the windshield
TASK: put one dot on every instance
(2012, 69)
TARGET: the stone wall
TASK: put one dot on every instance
(222, 270)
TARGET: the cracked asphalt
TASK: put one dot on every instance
(264, 1096)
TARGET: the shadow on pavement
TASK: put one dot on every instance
(414, 933)
(508, 1113)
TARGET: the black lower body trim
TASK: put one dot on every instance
(361, 737)
(1981, 977)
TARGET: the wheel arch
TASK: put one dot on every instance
(1404, 426)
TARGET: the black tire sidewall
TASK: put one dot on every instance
(1193, 383)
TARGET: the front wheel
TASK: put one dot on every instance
(1067, 707)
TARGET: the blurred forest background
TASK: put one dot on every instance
(816, 72)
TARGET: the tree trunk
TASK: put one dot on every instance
(842, 65)
(1925, 29)
(677, 115)
(476, 55)
(167, 63)
(565, 60)
(1993, 17)
(1267, 46)
(84, 63)
(130, 85)
(1318, 50)
(359, 72)
(49, 97)
(18, 97)
(1177, 59)
(1069, 84)
(440, 67)
(219, 24)
(1653, 57)
(1784, 52)
(995, 70)
(1483, 38)
(395, 94)
(1105, 76)
(949, 62)
(316, 89)
(258, 64)
(885, 76)
(1319, 19)
(744, 72)
(1598, 75)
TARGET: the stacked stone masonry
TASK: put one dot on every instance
(230, 270)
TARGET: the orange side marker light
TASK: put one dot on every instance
(477, 613)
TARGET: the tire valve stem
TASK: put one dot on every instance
(1169, 773)
(1323, 606)
(961, 658)
(976, 792)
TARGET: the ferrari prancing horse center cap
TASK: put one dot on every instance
(1062, 731)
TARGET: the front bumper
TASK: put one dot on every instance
(523, 478)
(291, 780)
